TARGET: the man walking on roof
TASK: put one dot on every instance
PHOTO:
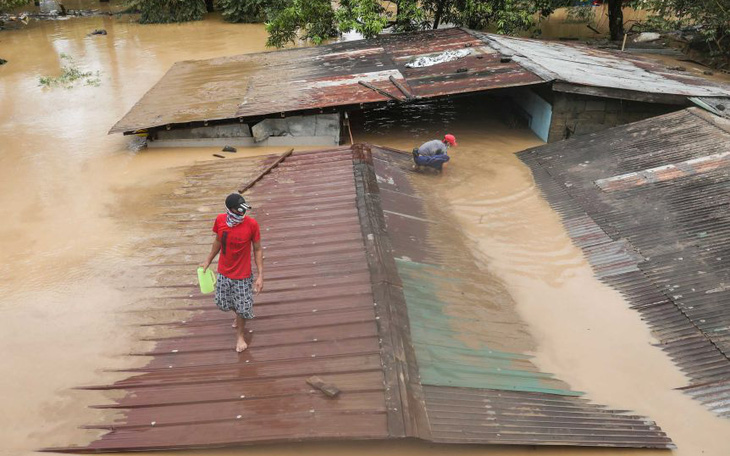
(434, 154)
(235, 233)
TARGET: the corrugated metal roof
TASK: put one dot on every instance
(330, 76)
(476, 380)
(652, 216)
(321, 77)
(586, 66)
(717, 105)
(342, 302)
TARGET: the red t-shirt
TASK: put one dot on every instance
(234, 261)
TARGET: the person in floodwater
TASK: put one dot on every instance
(434, 154)
(235, 233)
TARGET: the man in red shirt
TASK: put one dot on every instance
(235, 288)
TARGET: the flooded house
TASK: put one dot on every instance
(465, 319)
(652, 218)
(305, 96)
(372, 330)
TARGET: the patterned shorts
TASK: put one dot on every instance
(235, 295)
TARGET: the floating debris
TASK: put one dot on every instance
(446, 56)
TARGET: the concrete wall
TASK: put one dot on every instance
(575, 114)
(216, 131)
(324, 125)
(313, 130)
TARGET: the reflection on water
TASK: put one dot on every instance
(73, 199)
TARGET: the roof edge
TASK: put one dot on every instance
(407, 416)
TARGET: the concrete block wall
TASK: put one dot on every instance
(310, 130)
(575, 114)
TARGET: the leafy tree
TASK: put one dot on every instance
(370, 17)
(166, 11)
(249, 11)
(710, 18)
(320, 19)
(6, 5)
(507, 16)
(312, 20)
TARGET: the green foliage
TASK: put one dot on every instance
(6, 5)
(710, 19)
(580, 15)
(166, 11)
(507, 16)
(367, 17)
(249, 11)
(317, 20)
(70, 75)
(289, 20)
(370, 17)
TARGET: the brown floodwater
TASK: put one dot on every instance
(560, 24)
(74, 201)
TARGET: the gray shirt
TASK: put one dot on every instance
(435, 147)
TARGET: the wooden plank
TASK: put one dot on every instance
(622, 94)
(380, 91)
(266, 171)
(409, 96)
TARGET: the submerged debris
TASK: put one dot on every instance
(97, 32)
(646, 37)
(3, 61)
(229, 149)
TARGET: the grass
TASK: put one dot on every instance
(71, 76)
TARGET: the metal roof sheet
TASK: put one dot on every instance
(374, 71)
(320, 77)
(342, 302)
(586, 66)
(652, 216)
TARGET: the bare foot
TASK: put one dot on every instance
(241, 345)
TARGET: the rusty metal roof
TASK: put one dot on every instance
(350, 275)
(370, 71)
(584, 69)
(321, 77)
(649, 204)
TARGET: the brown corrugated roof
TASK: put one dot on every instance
(321, 77)
(348, 298)
(329, 77)
(648, 202)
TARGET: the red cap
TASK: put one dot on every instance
(451, 139)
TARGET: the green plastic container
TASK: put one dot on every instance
(206, 278)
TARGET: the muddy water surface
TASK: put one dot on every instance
(73, 201)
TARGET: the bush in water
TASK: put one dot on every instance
(165, 11)
(8, 4)
(249, 11)
(70, 75)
